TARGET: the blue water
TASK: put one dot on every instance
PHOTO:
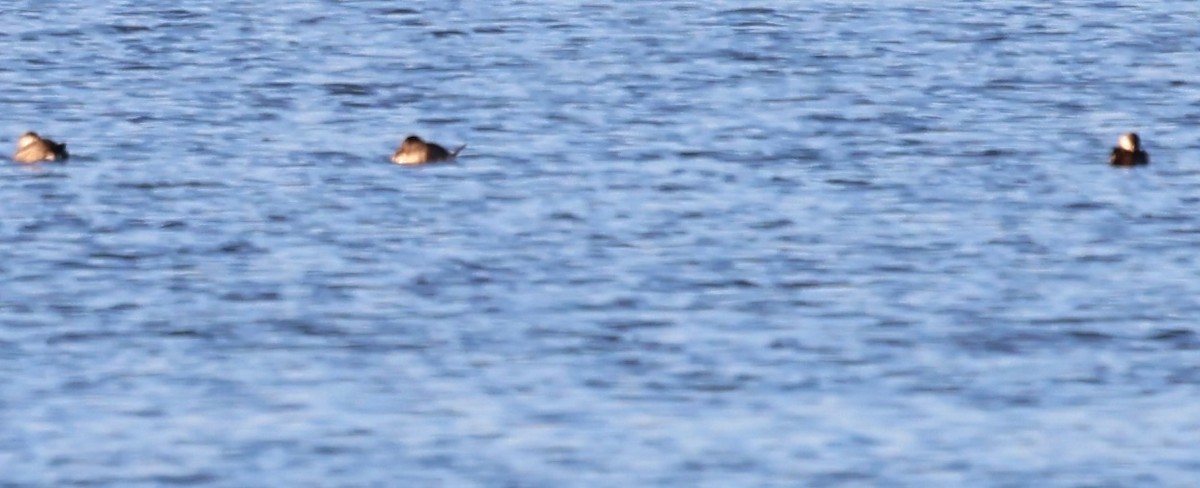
(688, 244)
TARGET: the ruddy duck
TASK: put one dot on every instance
(32, 148)
(415, 151)
(1128, 152)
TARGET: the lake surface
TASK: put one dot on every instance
(721, 244)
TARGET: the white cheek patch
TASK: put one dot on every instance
(1126, 143)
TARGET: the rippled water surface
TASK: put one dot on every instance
(688, 244)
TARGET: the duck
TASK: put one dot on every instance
(1128, 151)
(416, 151)
(32, 148)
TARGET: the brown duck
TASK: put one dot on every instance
(416, 151)
(32, 148)
(1128, 152)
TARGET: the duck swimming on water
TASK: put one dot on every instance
(1128, 152)
(32, 148)
(416, 151)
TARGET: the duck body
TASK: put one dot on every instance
(32, 148)
(1128, 152)
(416, 151)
